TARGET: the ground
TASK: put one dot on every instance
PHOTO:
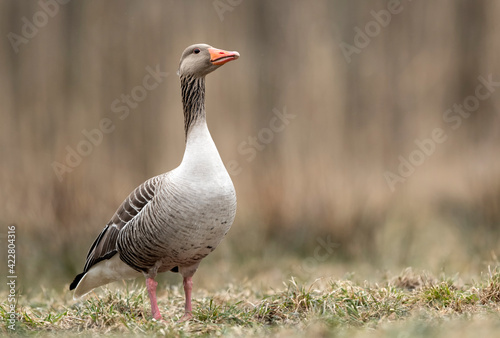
(409, 304)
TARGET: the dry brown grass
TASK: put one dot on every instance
(330, 307)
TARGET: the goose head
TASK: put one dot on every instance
(201, 59)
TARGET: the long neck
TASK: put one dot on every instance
(200, 148)
(193, 101)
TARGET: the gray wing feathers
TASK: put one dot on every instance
(104, 247)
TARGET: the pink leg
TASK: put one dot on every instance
(151, 286)
(188, 286)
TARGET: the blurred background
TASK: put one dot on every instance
(317, 119)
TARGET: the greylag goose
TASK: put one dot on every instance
(173, 220)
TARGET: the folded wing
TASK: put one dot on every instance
(104, 247)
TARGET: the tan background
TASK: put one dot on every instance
(319, 180)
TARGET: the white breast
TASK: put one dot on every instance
(199, 199)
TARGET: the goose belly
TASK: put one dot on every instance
(195, 228)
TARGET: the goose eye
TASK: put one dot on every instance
(196, 50)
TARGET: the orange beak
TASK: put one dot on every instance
(220, 57)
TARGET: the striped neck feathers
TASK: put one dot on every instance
(193, 100)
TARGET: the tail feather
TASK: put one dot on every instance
(102, 273)
(75, 282)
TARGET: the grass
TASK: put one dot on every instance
(411, 304)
